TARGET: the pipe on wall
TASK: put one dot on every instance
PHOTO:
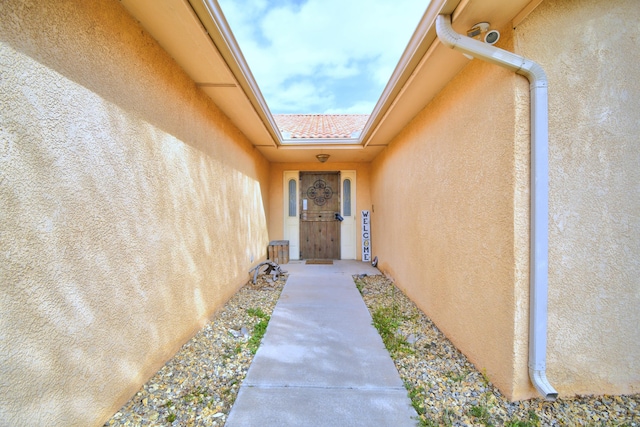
(539, 253)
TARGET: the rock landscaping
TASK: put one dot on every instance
(447, 390)
(199, 385)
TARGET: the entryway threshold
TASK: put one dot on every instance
(321, 362)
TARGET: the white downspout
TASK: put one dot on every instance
(538, 264)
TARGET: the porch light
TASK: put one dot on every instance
(322, 157)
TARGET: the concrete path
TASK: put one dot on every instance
(321, 362)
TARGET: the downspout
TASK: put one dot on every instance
(538, 262)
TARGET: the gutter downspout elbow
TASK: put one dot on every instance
(539, 252)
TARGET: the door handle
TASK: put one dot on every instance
(338, 217)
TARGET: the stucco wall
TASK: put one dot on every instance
(131, 209)
(276, 201)
(451, 204)
(589, 49)
(445, 225)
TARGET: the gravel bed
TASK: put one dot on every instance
(446, 389)
(200, 383)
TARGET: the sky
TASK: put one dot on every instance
(322, 56)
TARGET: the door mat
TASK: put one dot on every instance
(319, 261)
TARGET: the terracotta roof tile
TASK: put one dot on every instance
(297, 126)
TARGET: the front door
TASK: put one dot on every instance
(319, 228)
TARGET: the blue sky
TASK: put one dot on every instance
(322, 56)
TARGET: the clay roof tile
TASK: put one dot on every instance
(300, 126)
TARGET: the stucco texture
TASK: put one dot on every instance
(445, 224)
(276, 201)
(451, 211)
(131, 210)
(589, 49)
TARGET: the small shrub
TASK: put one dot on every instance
(386, 321)
(533, 421)
(416, 396)
(257, 312)
(446, 418)
(258, 332)
(455, 377)
(427, 422)
(482, 413)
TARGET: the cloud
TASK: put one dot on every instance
(310, 48)
(299, 96)
(359, 107)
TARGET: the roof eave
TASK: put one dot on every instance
(196, 34)
(215, 23)
(218, 29)
(420, 43)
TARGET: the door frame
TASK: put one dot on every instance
(291, 217)
(291, 213)
(348, 225)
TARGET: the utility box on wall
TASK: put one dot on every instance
(278, 251)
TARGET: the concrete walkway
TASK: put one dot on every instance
(321, 362)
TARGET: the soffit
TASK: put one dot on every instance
(176, 27)
(307, 153)
(433, 65)
(196, 35)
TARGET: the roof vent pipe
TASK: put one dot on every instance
(538, 264)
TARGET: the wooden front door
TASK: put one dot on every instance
(319, 228)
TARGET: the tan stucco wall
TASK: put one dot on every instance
(444, 224)
(589, 49)
(451, 204)
(131, 209)
(276, 186)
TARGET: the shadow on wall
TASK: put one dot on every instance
(99, 46)
(118, 237)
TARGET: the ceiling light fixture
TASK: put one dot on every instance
(322, 157)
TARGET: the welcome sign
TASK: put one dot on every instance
(366, 237)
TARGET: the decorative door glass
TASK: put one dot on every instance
(293, 192)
